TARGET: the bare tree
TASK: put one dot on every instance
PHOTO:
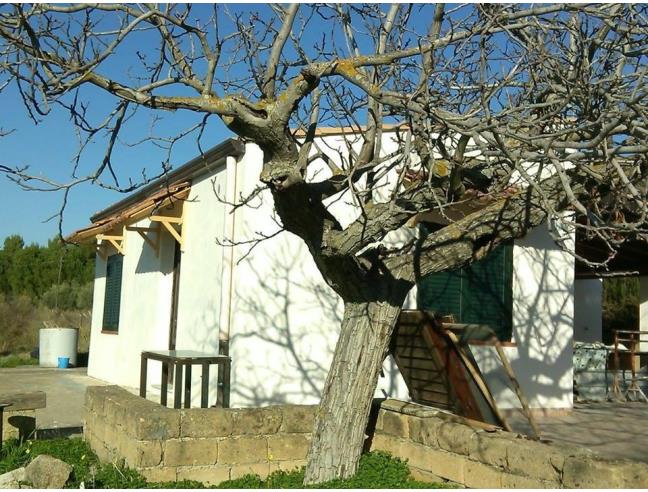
(509, 113)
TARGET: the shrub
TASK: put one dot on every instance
(68, 296)
(17, 360)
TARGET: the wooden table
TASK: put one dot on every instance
(186, 358)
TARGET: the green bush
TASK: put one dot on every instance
(68, 296)
(17, 360)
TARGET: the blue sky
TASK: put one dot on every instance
(49, 147)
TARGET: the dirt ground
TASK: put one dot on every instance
(614, 430)
(64, 389)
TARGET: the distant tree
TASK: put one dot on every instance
(34, 270)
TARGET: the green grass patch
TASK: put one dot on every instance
(17, 360)
(376, 470)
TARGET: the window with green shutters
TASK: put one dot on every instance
(480, 293)
(113, 293)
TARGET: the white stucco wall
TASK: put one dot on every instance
(201, 272)
(588, 310)
(543, 316)
(144, 312)
(285, 319)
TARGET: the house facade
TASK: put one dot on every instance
(178, 267)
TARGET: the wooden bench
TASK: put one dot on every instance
(18, 413)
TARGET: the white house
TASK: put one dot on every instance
(166, 279)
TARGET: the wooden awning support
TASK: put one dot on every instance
(116, 240)
(170, 224)
(154, 242)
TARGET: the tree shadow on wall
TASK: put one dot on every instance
(286, 322)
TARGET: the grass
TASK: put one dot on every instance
(17, 360)
(376, 470)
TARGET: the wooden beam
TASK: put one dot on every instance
(115, 240)
(117, 245)
(142, 229)
(164, 218)
(479, 381)
(169, 227)
(109, 237)
(518, 390)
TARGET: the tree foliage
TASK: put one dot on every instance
(58, 274)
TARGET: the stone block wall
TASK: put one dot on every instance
(438, 448)
(213, 445)
(209, 445)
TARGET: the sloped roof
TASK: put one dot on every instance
(173, 186)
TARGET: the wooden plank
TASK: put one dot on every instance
(479, 381)
(164, 218)
(24, 401)
(413, 342)
(109, 237)
(518, 390)
(169, 227)
(409, 330)
(117, 245)
(423, 375)
(438, 398)
(414, 352)
(456, 374)
(425, 365)
(437, 386)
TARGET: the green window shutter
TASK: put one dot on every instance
(113, 292)
(480, 293)
(486, 294)
(441, 293)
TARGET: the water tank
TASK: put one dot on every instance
(55, 343)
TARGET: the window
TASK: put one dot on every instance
(480, 293)
(113, 293)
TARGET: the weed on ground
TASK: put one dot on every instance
(376, 470)
(17, 360)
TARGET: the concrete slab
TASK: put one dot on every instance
(65, 390)
(614, 430)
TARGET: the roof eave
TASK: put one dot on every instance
(208, 161)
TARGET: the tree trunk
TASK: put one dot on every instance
(339, 432)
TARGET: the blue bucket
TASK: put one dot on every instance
(63, 362)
